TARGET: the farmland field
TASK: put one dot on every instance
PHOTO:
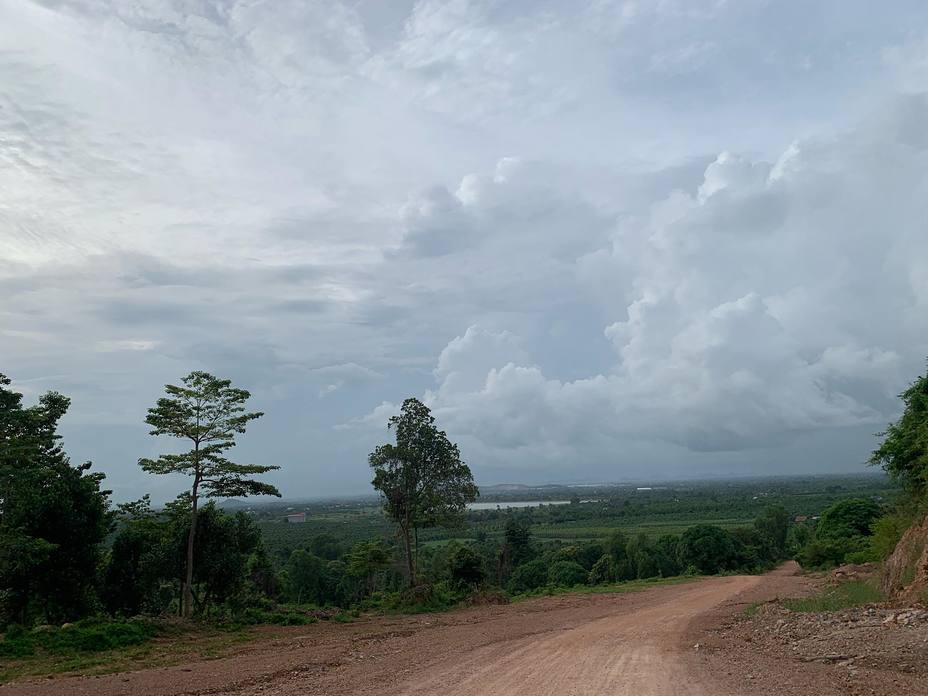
(665, 509)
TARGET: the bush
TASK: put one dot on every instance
(829, 552)
(567, 574)
(529, 576)
(89, 635)
(707, 548)
(280, 616)
(466, 568)
(843, 535)
(589, 554)
(887, 531)
(645, 564)
(853, 593)
(603, 571)
(847, 519)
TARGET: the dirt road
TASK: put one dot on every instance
(570, 645)
(636, 653)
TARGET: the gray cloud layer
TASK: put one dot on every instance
(602, 240)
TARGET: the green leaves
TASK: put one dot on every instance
(904, 450)
(53, 516)
(209, 412)
(422, 479)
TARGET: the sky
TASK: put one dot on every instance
(603, 241)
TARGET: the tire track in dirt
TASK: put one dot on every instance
(636, 653)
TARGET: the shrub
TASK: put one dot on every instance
(848, 518)
(466, 568)
(603, 571)
(566, 574)
(589, 554)
(828, 552)
(848, 594)
(842, 535)
(707, 548)
(529, 576)
(89, 635)
(887, 531)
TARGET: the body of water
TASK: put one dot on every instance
(514, 504)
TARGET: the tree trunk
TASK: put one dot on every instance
(410, 566)
(188, 579)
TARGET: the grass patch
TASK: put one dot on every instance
(853, 593)
(279, 616)
(612, 588)
(753, 609)
(103, 646)
(89, 635)
(174, 642)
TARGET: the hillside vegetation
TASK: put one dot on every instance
(78, 574)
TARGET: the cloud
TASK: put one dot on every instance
(598, 237)
(775, 299)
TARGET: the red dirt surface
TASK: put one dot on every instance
(637, 643)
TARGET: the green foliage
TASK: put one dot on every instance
(89, 635)
(326, 546)
(516, 547)
(529, 576)
(215, 561)
(827, 552)
(708, 548)
(466, 569)
(847, 519)
(367, 562)
(278, 616)
(421, 478)
(260, 574)
(227, 542)
(799, 535)
(139, 564)
(518, 540)
(904, 450)
(754, 551)
(841, 535)
(208, 412)
(587, 554)
(306, 578)
(53, 516)
(616, 546)
(667, 555)
(853, 593)
(144, 570)
(887, 531)
(603, 571)
(567, 574)
(773, 524)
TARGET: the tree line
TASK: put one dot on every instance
(67, 552)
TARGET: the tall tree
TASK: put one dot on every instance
(53, 516)
(773, 524)
(209, 413)
(904, 450)
(422, 479)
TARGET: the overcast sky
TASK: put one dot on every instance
(602, 240)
